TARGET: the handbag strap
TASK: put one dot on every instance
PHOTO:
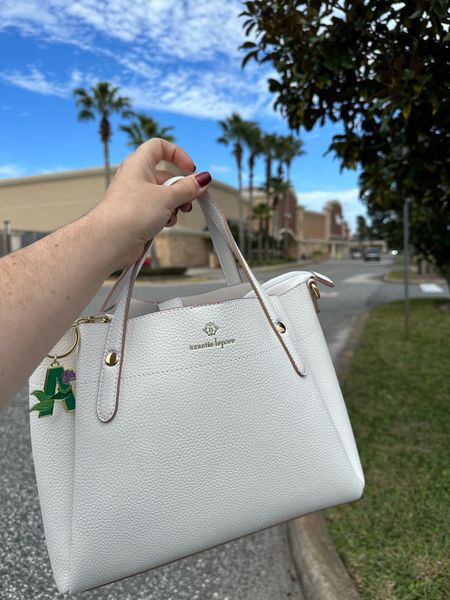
(220, 243)
(110, 376)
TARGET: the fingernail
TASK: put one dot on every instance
(203, 178)
(190, 208)
(194, 169)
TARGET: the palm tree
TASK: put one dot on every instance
(286, 148)
(253, 141)
(102, 101)
(261, 212)
(269, 142)
(279, 152)
(233, 133)
(142, 128)
(279, 188)
(293, 148)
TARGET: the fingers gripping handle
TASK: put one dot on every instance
(220, 243)
(110, 376)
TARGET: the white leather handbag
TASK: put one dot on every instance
(162, 429)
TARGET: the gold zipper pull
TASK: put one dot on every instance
(93, 319)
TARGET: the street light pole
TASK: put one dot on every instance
(406, 264)
(7, 230)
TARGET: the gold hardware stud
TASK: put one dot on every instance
(281, 327)
(111, 359)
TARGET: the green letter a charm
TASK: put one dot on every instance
(56, 376)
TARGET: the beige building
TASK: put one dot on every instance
(34, 206)
(310, 233)
(37, 205)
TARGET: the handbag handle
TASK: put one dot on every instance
(113, 356)
(221, 246)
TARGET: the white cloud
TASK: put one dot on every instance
(220, 168)
(201, 94)
(175, 56)
(53, 169)
(190, 30)
(11, 170)
(183, 91)
(349, 198)
(36, 81)
(319, 197)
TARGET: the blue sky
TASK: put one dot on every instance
(178, 60)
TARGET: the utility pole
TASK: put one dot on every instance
(406, 264)
(7, 233)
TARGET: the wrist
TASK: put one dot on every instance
(111, 240)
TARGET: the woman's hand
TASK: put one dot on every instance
(136, 206)
(46, 285)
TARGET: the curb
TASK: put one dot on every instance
(320, 570)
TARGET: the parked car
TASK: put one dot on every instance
(372, 254)
(356, 253)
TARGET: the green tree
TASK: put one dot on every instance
(142, 128)
(102, 101)
(382, 71)
(233, 134)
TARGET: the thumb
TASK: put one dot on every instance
(187, 189)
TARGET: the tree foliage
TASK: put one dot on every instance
(102, 100)
(142, 127)
(381, 70)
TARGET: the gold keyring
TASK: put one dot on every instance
(77, 335)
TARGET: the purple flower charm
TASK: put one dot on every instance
(68, 376)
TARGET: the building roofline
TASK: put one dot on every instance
(55, 176)
(82, 173)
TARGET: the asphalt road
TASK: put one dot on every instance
(256, 567)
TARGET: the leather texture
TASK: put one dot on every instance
(110, 376)
(216, 435)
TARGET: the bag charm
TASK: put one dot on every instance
(57, 384)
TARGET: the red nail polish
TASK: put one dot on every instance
(203, 178)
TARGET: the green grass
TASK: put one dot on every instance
(395, 540)
(399, 275)
(414, 277)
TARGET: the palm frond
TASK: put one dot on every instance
(85, 115)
